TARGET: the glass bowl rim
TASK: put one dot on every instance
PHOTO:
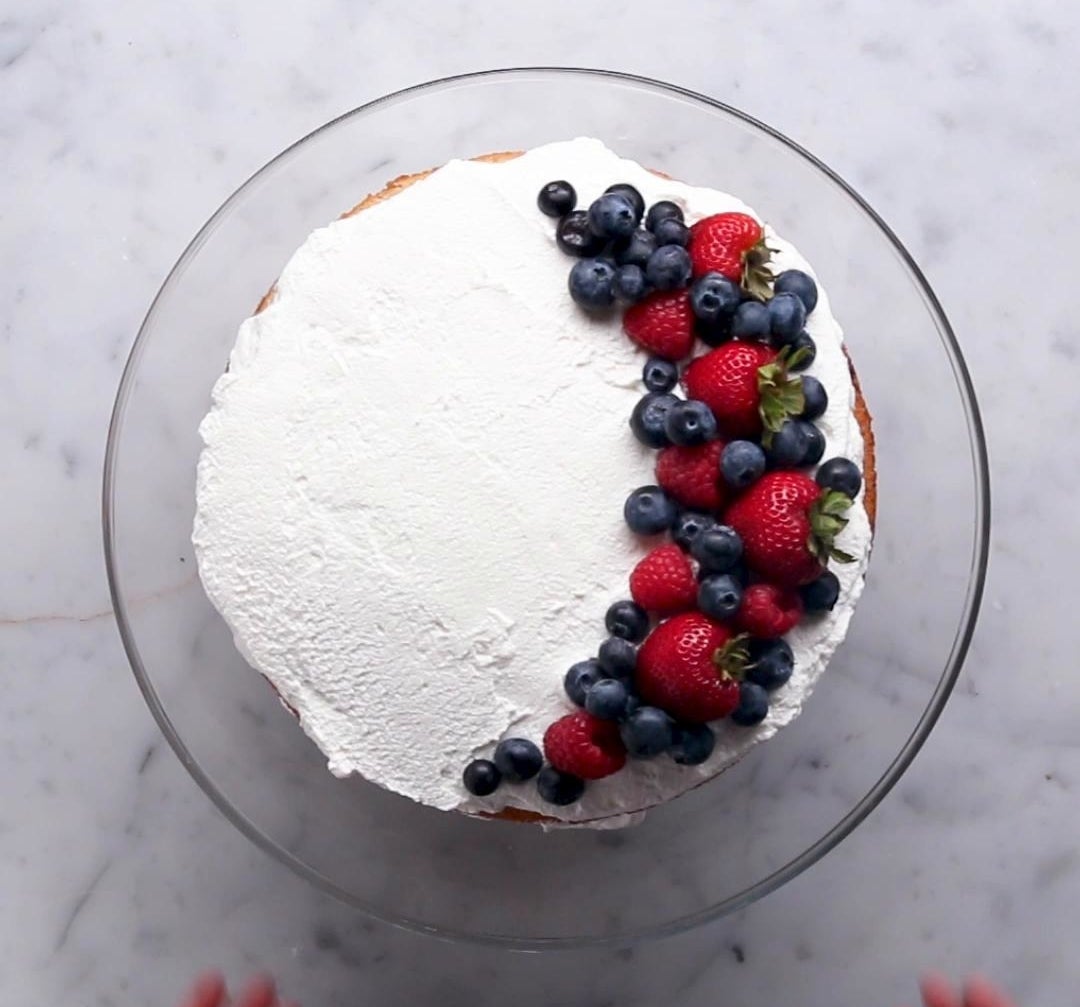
(783, 874)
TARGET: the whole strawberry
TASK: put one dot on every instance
(788, 525)
(663, 581)
(732, 244)
(584, 746)
(691, 475)
(691, 667)
(768, 611)
(747, 386)
(663, 324)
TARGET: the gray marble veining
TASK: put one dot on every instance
(124, 126)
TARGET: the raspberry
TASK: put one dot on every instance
(663, 582)
(692, 475)
(584, 746)
(768, 611)
(663, 324)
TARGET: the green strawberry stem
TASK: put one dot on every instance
(827, 520)
(757, 275)
(781, 395)
(731, 659)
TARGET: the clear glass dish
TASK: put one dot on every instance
(712, 851)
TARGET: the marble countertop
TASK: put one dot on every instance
(125, 125)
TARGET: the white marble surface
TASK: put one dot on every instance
(125, 124)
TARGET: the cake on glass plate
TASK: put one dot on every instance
(539, 486)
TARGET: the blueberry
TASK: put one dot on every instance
(693, 744)
(713, 333)
(649, 419)
(518, 759)
(575, 237)
(820, 595)
(627, 620)
(607, 699)
(742, 463)
(815, 443)
(627, 191)
(481, 777)
(649, 511)
(753, 705)
(805, 342)
(689, 423)
(581, 678)
(630, 285)
(612, 216)
(771, 663)
(557, 199)
(592, 283)
(617, 658)
(719, 596)
(660, 375)
(740, 571)
(559, 788)
(840, 474)
(787, 316)
(717, 549)
(688, 526)
(668, 267)
(647, 732)
(636, 249)
(714, 298)
(665, 209)
(788, 445)
(815, 396)
(672, 232)
(751, 322)
(795, 281)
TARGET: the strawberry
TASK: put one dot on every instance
(663, 324)
(584, 746)
(690, 667)
(732, 244)
(747, 386)
(663, 582)
(788, 525)
(767, 611)
(692, 475)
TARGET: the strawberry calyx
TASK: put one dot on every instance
(827, 520)
(757, 276)
(781, 395)
(731, 660)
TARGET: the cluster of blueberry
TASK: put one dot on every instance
(605, 686)
(748, 416)
(717, 548)
(619, 259)
(727, 311)
(661, 418)
(515, 760)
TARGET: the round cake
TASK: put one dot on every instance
(456, 509)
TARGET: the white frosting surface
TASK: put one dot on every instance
(410, 498)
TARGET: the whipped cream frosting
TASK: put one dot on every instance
(409, 503)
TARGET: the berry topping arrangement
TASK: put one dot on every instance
(743, 517)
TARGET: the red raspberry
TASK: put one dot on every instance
(584, 746)
(663, 582)
(767, 611)
(692, 475)
(663, 324)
